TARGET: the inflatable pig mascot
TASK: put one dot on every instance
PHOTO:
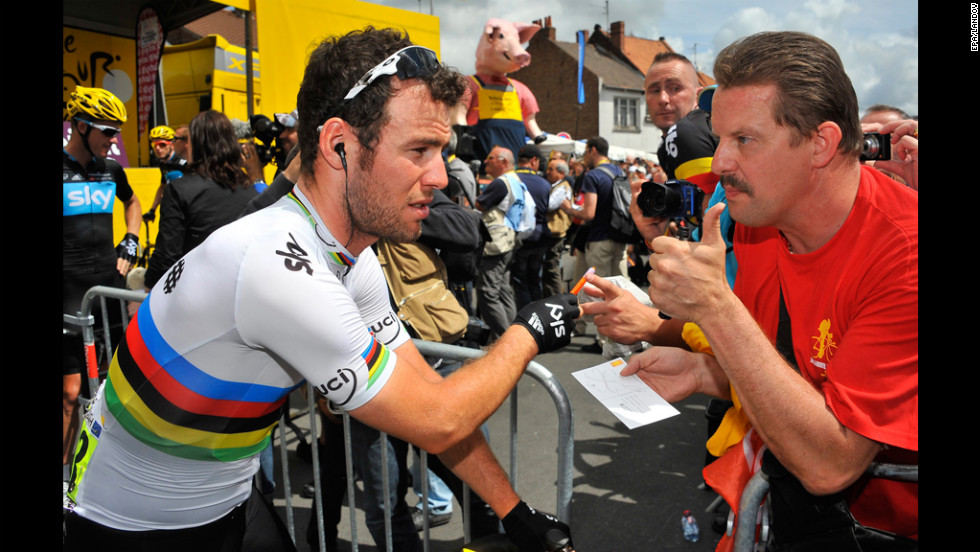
(500, 110)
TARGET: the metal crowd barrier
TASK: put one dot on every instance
(448, 352)
(753, 514)
(86, 321)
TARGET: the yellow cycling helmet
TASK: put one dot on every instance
(162, 133)
(97, 104)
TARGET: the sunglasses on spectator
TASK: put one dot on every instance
(408, 63)
(108, 131)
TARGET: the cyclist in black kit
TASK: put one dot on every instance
(91, 184)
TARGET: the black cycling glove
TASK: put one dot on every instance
(150, 215)
(550, 321)
(534, 531)
(128, 248)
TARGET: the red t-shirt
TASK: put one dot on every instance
(853, 305)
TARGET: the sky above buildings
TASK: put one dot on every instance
(877, 40)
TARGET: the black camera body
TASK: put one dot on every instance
(876, 147)
(267, 131)
(673, 199)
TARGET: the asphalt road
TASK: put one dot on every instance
(629, 486)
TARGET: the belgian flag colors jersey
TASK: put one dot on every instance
(193, 391)
(687, 150)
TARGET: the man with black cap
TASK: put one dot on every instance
(526, 270)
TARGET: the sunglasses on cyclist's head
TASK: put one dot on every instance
(408, 63)
(108, 131)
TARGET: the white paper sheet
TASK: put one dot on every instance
(628, 398)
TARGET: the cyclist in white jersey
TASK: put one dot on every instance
(294, 293)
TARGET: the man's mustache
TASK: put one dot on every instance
(736, 183)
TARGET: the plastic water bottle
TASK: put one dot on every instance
(690, 527)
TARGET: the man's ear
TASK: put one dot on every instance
(826, 140)
(331, 142)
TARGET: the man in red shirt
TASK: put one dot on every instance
(837, 242)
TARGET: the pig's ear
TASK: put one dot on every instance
(492, 25)
(526, 30)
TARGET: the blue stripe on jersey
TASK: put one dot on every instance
(193, 377)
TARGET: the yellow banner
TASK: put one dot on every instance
(290, 29)
(103, 61)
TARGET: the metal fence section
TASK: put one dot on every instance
(449, 352)
(566, 442)
(86, 322)
(752, 527)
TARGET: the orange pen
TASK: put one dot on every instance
(581, 283)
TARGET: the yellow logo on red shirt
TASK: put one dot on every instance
(824, 346)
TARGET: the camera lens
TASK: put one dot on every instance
(656, 200)
(876, 147)
(871, 146)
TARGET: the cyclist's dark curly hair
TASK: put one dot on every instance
(335, 66)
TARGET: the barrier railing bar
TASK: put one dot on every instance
(284, 458)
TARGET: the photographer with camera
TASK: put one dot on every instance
(894, 126)
(278, 137)
(671, 92)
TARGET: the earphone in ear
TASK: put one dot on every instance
(343, 156)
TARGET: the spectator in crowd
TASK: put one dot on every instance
(605, 248)
(213, 193)
(685, 153)
(904, 163)
(809, 237)
(92, 182)
(288, 138)
(559, 222)
(881, 114)
(528, 258)
(182, 141)
(494, 292)
(884, 119)
(670, 86)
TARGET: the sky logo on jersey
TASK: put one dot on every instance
(83, 198)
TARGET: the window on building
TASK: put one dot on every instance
(627, 115)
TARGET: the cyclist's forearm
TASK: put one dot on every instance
(473, 462)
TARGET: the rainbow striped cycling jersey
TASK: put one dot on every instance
(198, 382)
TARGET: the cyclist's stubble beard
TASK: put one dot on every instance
(371, 213)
